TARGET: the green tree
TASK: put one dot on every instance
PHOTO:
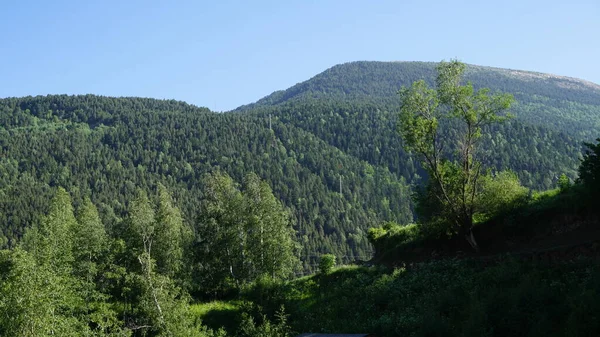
(172, 235)
(589, 170)
(326, 263)
(41, 296)
(271, 247)
(455, 177)
(160, 307)
(91, 247)
(500, 193)
(52, 241)
(563, 182)
(90, 240)
(36, 301)
(243, 235)
(221, 238)
(142, 225)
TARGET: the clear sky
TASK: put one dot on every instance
(222, 54)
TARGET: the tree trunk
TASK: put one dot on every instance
(466, 230)
(471, 240)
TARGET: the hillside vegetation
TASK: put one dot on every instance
(105, 148)
(335, 130)
(536, 275)
(354, 107)
(143, 217)
(562, 103)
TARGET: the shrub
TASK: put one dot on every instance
(564, 183)
(501, 193)
(326, 263)
(277, 328)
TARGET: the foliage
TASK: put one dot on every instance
(500, 193)
(106, 148)
(172, 235)
(326, 263)
(89, 238)
(279, 328)
(564, 182)
(569, 105)
(36, 300)
(390, 236)
(456, 181)
(512, 217)
(49, 286)
(243, 235)
(337, 124)
(154, 211)
(589, 171)
(449, 298)
(69, 278)
(219, 314)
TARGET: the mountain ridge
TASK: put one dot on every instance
(403, 73)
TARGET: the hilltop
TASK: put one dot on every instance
(354, 106)
(564, 103)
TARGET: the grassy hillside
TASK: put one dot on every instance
(447, 298)
(537, 275)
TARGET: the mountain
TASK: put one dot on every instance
(327, 147)
(562, 103)
(106, 147)
(354, 106)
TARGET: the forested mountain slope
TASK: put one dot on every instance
(564, 103)
(354, 107)
(107, 147)
(333, 133)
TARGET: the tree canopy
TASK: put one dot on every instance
(455, 177)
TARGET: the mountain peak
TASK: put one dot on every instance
(378, 82)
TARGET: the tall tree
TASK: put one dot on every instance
(271, 245)
(89, 239)
(42, 296)
(52, 240)
(172, 235)
(220, 232)
(589, 171)
(455, 177)
(142, 226)
(37, 301)
(243, 235)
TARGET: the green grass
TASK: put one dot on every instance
(448, 298)
(200, 310)
(219, 314)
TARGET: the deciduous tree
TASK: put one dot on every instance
(455, 177)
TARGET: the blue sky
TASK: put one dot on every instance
(222, 54)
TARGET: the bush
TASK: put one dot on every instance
(501, 193)
(391, 233)
(451, 298)
(564, 183)
(278, 328)
(327, 263)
